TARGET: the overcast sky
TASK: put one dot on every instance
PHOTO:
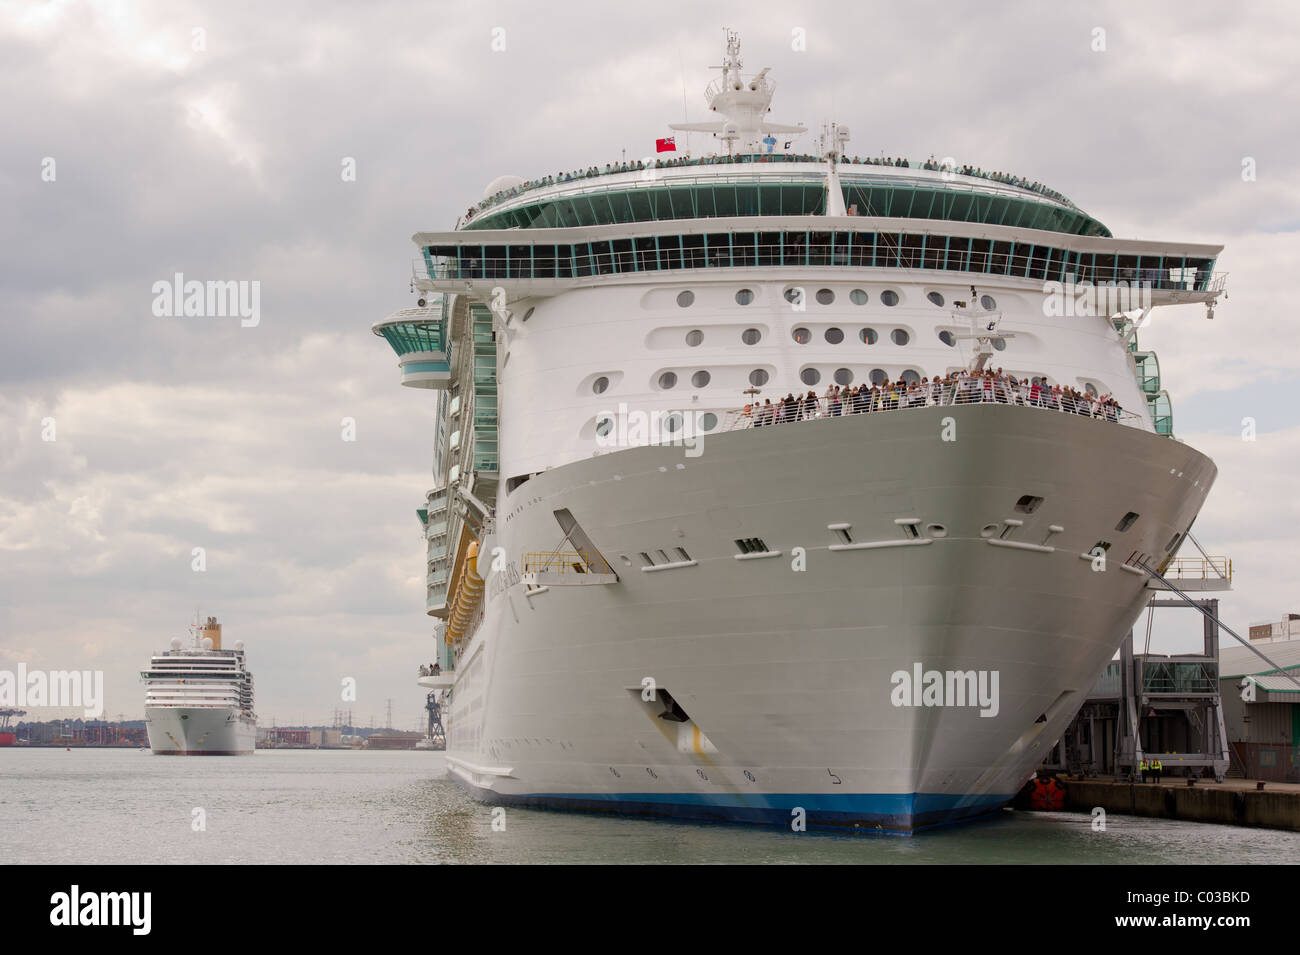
(209, 139)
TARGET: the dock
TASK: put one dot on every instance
(1233, 802)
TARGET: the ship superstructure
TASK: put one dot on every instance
(199, 699)
(661, 589)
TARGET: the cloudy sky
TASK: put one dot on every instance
(146, 139)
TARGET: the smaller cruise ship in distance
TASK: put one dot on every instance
(199, 699)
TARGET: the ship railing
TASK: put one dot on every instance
(1199, 568)
(925, 396)
(564, 562)
(1133, 283)
(898, 174)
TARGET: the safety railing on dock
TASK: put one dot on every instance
(1199, 568)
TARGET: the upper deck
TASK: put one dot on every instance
(774, 184)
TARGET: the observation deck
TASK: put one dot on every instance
(419, 337)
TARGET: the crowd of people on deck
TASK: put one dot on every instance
(964, 387)
(592, 172)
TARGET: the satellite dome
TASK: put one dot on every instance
(207, 643)
(502, 182)
(239, 644)
(176, 643)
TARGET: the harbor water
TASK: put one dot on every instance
(90, 806)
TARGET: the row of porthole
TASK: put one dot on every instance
(673, 422)
(825, 296)
(833, 336)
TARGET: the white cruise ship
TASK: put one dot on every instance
(199, 699)
(661, 590)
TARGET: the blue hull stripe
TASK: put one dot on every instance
(899, 813)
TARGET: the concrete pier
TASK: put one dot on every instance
(1233, 802)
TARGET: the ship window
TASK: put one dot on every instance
(751, 336)
(868, 336)
(668, 380)
(708, 421)
(810, 376)
(1000, 344)
(1102, 545)
(751, 545)
(686, 298)
(1127, 521)
(673, 422)
(858, 297)
(600, 384)
(664, 554)
(889, 297)
(843, 376)
(604, 426)
(744, 296)
(899, 336)
(989, 302)
(1173, 543)
(834, 335)
(529, 314)
(936, 298)
(1028, 503)
(794, 295)
(1090, 388)
(694, 337)
(700, 379)
(801, 335)
(948, 338)
(878, 376)
(911, 376)
(758, 377)
(645, 559)
(681, 553)
(825, 296)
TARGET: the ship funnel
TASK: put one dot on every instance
(211, 631)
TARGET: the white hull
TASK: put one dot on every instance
(787, 674)
(199, 731)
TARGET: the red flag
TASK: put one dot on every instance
(668, 145)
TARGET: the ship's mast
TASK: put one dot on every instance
(742, 103)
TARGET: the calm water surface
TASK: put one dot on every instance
(308, 806)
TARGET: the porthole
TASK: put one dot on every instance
(999, 343)
(686, 298)
(948, 338)
(758, 377)
(694, 337)
(911, 376)
(834, 335)
(825, 296)
(858, 297)
(936, 298)
(600, 384)
(668, 380)
(751, 336)
(700, 379)
(878, 376)
(810, 376)
(708, 421)
(843, 376)
(801, 335)
(889, 297)
(988, 530)
(529, 314)
(604, 426)
(868, 336)
(673, 422)
(936, 530)
(989, 302)
(744, 296)
(899, 336)
(794, 295)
